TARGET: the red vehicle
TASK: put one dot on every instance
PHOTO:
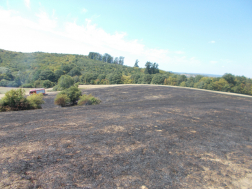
(37, 91)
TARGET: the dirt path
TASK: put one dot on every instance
(138, 137)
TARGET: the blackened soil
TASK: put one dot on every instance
(138, 137)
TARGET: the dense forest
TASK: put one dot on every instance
(47, 70)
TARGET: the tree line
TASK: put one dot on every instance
(106, 58)
(63, 70)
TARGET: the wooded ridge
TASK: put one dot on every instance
(40, 69)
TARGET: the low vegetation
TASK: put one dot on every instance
(72, 96)
(15, 100)
(62, 100)
(88, 100)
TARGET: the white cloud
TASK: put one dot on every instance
(48, 35)
(27, 3)
(179, 52)
(45, 21)
(84, 10)
(213, 62)
(211, 41)
(226, 61)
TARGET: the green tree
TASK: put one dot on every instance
(190, 82)
(66, 68)
(229, 78)
(88, 78)
(101, 76)
(75, 71)
(76, 79)
(47, 75)
(136, 63)
(115, 78)
(145, 79)
(116, 61)
(65, 81)
(197, 78)
(58, 73)
(35, 75)
(181, 78)
(37, 84)
(158, 79)
(47, 84)
(154, 68)
(148, 68)
(121, 60)
(135, 77)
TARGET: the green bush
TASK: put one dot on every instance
(27, 85)
(15, 100)
(70, 95)
(88, 100)
(35, 101)
(73, 94)
(57, 88)
(62, 100)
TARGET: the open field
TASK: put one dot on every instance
(138, 137)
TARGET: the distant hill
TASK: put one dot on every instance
(40, 69)
(194, 74)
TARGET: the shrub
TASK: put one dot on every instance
(77, 84)
(88, 100)
(27, 85)
(35, 101)
(57, 88)
(70, 95)
(61, 99)
(14, 100)
(73, 93)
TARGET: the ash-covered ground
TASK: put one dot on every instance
(138, 137)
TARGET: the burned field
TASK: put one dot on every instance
(138, 137)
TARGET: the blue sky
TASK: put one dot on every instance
(192, 36)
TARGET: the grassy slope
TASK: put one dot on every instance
(17, 61)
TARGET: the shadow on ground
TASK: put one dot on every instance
(138, 137)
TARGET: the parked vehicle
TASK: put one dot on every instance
(37, 91)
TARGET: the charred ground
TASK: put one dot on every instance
(138, 137)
